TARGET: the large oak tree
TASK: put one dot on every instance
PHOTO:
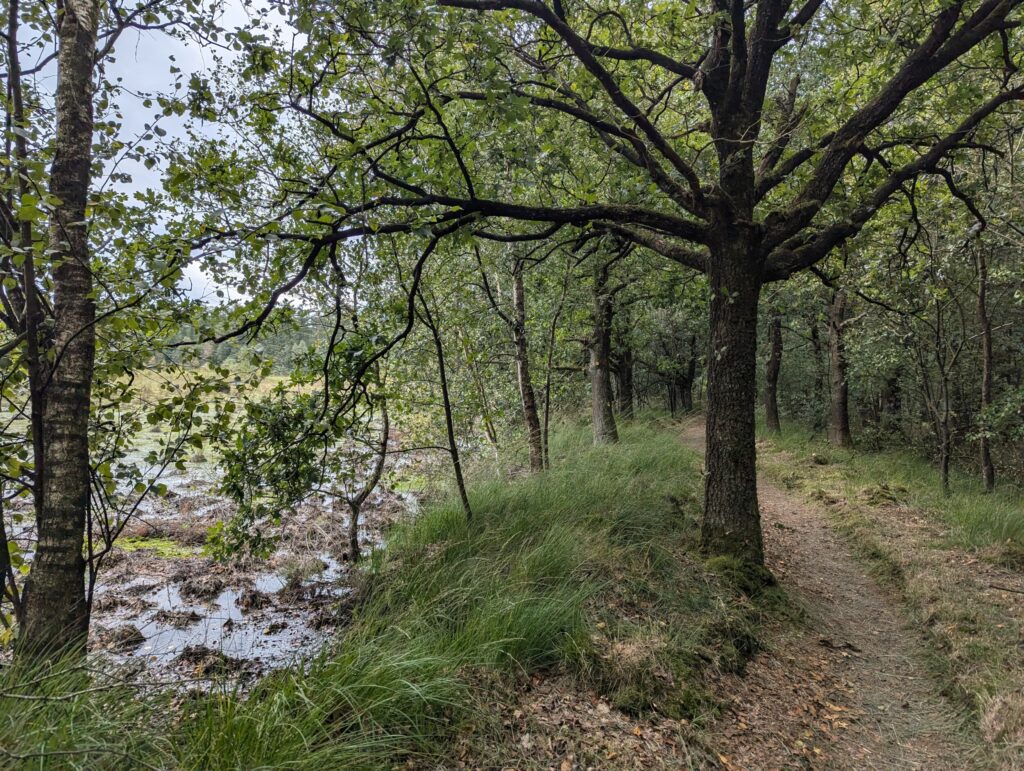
(743, 139)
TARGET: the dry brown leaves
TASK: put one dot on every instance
(554, 724)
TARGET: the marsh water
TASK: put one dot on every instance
(163, 607)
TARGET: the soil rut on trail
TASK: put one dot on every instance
(847, 687)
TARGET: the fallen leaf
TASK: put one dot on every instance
(726, 761)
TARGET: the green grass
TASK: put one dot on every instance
(588, 570)
(977, 518)
(163, 547)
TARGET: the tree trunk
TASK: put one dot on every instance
(624, 381)
(685, 379)
(732, 520)
(353, 531)
(819, 378)
(839, 390)
(355, 502)
(945, 434)
(57, 611)
(988, 471)
(771, 374)
(528, 398)
(892, 404)
(449, 419)
(600, 370)
(490, 430)
(549, 366)
(685, 387)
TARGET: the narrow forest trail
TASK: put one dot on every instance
(847, 687)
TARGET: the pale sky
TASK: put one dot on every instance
(143, 60)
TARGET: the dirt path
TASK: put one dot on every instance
(848, 687)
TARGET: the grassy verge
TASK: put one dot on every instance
(588, 571)
(975, 519)
(955, 559)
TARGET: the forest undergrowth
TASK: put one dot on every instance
(587, 573)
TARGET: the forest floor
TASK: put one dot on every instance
(849, 685)
(575, 624)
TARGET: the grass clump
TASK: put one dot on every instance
(72, 716)
(750, 579)
(588, 571)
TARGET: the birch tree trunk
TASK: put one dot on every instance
(56, 610)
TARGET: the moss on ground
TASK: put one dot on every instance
(163, 547)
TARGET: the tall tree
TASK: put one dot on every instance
(988, 470)
(527, 393)
(839, 385)
(772, 368)
(101, 280)
(516, 323)
(600, 344)
(56, 613)
(708, 75)
(446, 402)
